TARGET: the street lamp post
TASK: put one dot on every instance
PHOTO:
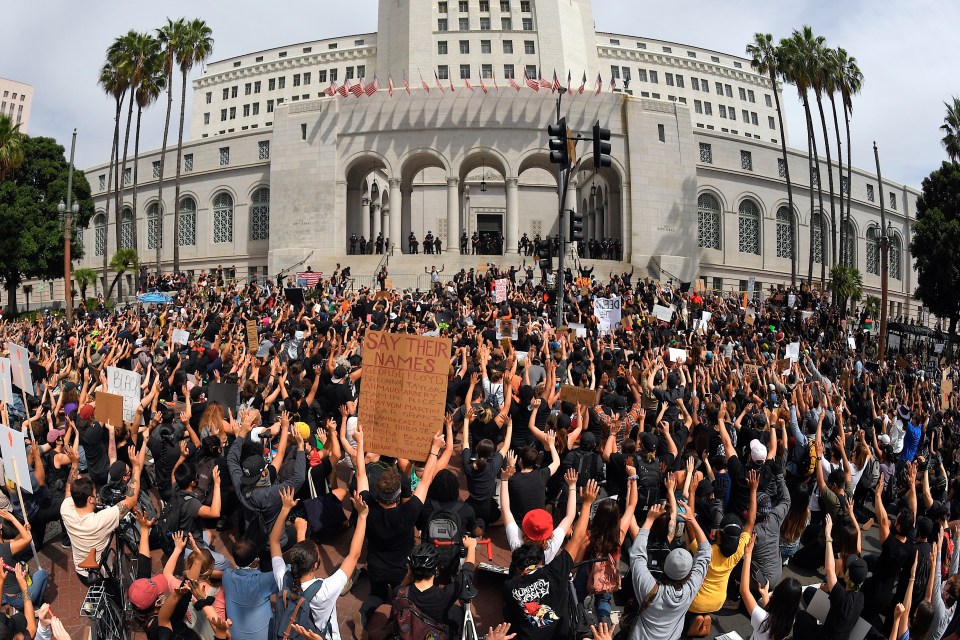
(67, 211)
(884, 251)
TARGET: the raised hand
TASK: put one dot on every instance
(287, 500)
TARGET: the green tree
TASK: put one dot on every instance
(846, 284)
(11, 146)
(951, 130)
(111, 81)
(28, 204)
(764, 59)
(871, 306)
(195, 48)
(123, 260)
(823, 64)
(84, 278)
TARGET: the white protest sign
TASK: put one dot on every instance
(15, 454)
(500, 290)
(20, 363)
(579, 329)
(893, 341)
(181, 336)
(522, 356)
(663, 313)
(793, 351)
(938, 347)
(852, 343)
(678, 355)
(607, 311)
(751, 285)
(6, 381)
(704, 321)
(806, 315)
(127, 384)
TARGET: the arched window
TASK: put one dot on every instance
(708, 222)
(126, 229)
(820, 237)
(154, 227)
(850, 246)
(749, 227)
(260, 215)
(894, 257)
(784, 233)
(99, 235)
(188, 223)
(873, 251)
(222, 218)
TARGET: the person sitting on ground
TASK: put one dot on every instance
(774, 619)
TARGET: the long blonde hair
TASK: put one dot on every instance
(213, 417)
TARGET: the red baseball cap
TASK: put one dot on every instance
(85, 412)
(145, 591)
(537, 525)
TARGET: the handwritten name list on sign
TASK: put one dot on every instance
(127, 384)
(404, 392)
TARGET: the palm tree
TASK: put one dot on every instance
(11, 146)
(951, 130)
(111, 81)
(170, 37)
(148, 85)
(123, 260)
(123, 52)
(27, 290)
(833, 76)
(764, 59)
(820, 66)
(846, 284)
(84, 278)
(871, 306)
(851, 81)
(196, 48)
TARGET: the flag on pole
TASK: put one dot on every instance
(495, 85)
(406, 82)
(483, 86)
(451, 85)
(332, 89)
(545, 84)
(437, 78)
(569, 86)
(424, 82)
(390, 84)
(513, 82)
(613, 84)
(358, 89)
(344, 88)
(466, 83)
(556, 83)
(583, 84)
(531, 82)
(599, 84)
(373, 87)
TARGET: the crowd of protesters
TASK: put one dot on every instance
(704, 455)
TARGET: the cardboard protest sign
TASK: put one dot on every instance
(6, 381)
(382, 295)
(253, 341)
(500, 290)
(180, 336)
(14, 452)
(574, 395)
(388, 284)
(607, 311)
(678, 355)
(784, 365)
(20, 363)
(109, 407)
(507, 329)
(902, 364)
(749, 320)
(127, 384)
(404, 392)
(506, 344)
(938, 347)
(226, 394)
(664, 314)
(701, 284)
(583, 284)
(946, 388)
(751, 370)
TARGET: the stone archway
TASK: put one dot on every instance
(425, 177)
(485, 176)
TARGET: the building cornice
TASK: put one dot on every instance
(679, 62)
(307, 60)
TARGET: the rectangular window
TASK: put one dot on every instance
(206, 118)
(246, 110)
(870, 196)
(281, 82)
(283, 54)
(746, 115)
(668, 50)
(349, 74)
(771, 122)
(322, 76)
(103, 182)
(223, 115)
(442, 24)
(626, 74)
(464, 6)
(233, 113)
(506, 24)
(781, 168)
(698, 106)
(486, 71)
(443, 72)
(505, 6)
(226, 94)
(464, 47)
(525, 6)
(707, 108)
(844, 185)
(441, 7)
(256, 87)
(655, 96)
(746, 160)
(766, 99)
(615, 72)
(306, 78)
(668, 78)
(156, 169)
(209, 97)
(484, 24)
(641, 45)
(642, 75)
(743, 93)
(309, 49)
(751, 96)
(680, 82)
(729, 90)
(361, 71)
(528, 47)
(695, 84)
(893, 200)
(706, 153)
(714, 58)
(484, 6)
(442, 47)
(263, 149)
(256, 108)
(508, 46)
(233, 92)
(333, 75)
(224, 156)
(508, 71)
(271, 84)
(269, 106)
(719, 86)
(732, 112)
(485, 46)
(691, 54)
(531, 70)
(653, 77)
(753, 118)
(248, 88)
(528, 24)
(463, 24)
(722, 110)
(464, 71)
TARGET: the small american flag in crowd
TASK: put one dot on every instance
(308, 278)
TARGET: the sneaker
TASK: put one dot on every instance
(65, 542)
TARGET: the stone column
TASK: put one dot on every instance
(453, 214)
(513, 214)
(365, 218)
(590, 224)
(377, 220)
(395, 236)
(626, 223)
(403, 210)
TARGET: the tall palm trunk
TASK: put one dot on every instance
(833, 209)
(116, 171)
(786, 174)
(843, 220)
(163, 154)
(136, 159)
(176, 197)
(106, 219)
(123, 166)
(846, 118)
(806, 110)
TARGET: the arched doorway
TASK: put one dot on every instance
(492, 214)
(361, 175)
(429, 200)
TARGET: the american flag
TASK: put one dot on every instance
(466, 83)
(437, 78)
(344, 88)
(513, 83)
(332, 89)
(451, 85)
(390, 85)
(583, 84)
(373, 87)
(599, 84)
(308, 278)
(424, 83)
(556, 83)
(531, 82)
(483, 86)
(613, 84)
(358, 89)
(495, 85)
(406, 82)
(545, 84)
(569, 86)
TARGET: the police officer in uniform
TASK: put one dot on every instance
(353, 244)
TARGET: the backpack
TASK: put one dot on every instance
(205, 481)
(293, 608)
(871, 474)
(604, 576)
(172, 519)
(411, 622)
(648, 483)
(589, 466)
(806, 458)
(446, 526)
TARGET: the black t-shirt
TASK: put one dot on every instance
(436, 602)
(390, 537)
(535, 603)
(669, 397)
(482, 484)
(528, 492)
(93, 438)
(165, 456)
(522, 436)
(845, 608)
(10, 584)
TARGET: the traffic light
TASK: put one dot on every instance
(545, 257)
(559, 151)
(576, 226)
(601, 148)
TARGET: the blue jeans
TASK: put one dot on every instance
(35, 590)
